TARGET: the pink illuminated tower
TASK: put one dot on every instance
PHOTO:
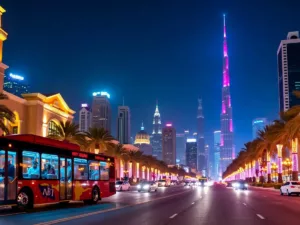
(227, 152)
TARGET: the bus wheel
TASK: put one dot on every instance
(95, 195)
(25, 199)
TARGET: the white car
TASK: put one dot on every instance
(122, 186)
(290, 187)
(147, 186)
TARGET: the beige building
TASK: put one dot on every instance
(35, 113)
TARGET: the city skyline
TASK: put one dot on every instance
(199, 55)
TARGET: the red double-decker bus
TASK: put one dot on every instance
(36, 170)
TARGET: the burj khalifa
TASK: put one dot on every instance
(227, 151)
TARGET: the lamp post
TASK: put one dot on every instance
(279, 162)
(288, 165)
(274, 168)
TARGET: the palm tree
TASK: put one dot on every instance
(99, 139)
(5, 114)
(69, 132)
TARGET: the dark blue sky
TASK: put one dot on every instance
(148, 50)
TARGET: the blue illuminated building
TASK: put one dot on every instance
(15, 84)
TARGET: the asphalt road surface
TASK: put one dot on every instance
(177, 205)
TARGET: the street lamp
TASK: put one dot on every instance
(274, 168)
(288, 165)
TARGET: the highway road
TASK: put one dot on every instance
(177, 205)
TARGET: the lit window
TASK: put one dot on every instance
(52, 128)
(49, 167)
(80, 169)
(94, 167)
(31, 165)
(104, 171)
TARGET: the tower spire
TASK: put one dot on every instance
(123, 101)
(224, 19)
(142, 127)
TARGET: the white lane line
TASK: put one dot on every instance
(171, 217)
(244, 204)
(12, 214)
(193, 203)
(104, 211)
(260, 216)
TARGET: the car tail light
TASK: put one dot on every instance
(292, 186)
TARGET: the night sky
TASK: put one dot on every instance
(155, 49)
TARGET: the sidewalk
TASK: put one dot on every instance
(266, 189)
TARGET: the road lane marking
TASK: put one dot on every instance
(12, 214)
(244, 204)
(260, 216)
(104, 211)
(171, 217)
(193, 203)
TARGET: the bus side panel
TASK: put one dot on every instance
(82, 190)
(104, 189)
(44, 191)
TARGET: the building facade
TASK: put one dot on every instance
(257, 125)
(191, 153)
(169, 144)
(216, 166)
(85, 118)
(15, 84)
(288, 65)
(156, 138)
(142, 141)
(101, 111)
(202, 159)
(180, 148)
(123, 125)
(35, 113)
(227, 150)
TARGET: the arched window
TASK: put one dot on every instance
(52, 128)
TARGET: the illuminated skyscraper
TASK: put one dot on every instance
(257, 125)
(156, 138)
(15, 84)
(191, 153)
(101, 111)
(288, 55)
(180, 148)
(169, 144)
(227, 152)
(202, 159)
(216, 168)
(142, 141)
(85, 118)
(123, 125)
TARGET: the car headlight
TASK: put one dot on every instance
(146, 186)
(246, 185)
(238, 185)
(139, 186)
(117, 186)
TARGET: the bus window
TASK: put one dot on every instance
(31, 165)
(80, 169)
(104, 171)
(49, 166)
(94, 170)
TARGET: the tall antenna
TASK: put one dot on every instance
(123, 101)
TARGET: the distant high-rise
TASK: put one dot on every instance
(227, 151)
(288, 55)
(85, 118)
(191, 153)
(156, 138)
(142, 141)
(180, 148)
(169, 144)
(123, 125)
(257, 125)
(15, 84)
(202, 159)
(207, 172)
(101, 111)
(217, 170)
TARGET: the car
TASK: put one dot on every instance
(164, 183)
(122, 186)
(240, 185)
(147, 186)
(290, 187)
